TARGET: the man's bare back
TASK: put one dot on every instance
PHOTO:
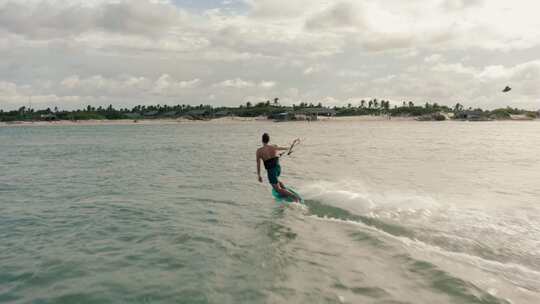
(267, 152)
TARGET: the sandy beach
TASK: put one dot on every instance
(222, 120)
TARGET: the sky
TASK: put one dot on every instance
(73, 53)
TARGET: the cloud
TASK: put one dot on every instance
(312, 69)
(47, 20)
(13, 96)
(139, 17)
(8, 89)
(458, 68)
(342, 15)
(433, 58)
(239, 83)
(236, 83)
(149, 51)
(460, 4)
(267, 84)
(281, 9)
(166, 85)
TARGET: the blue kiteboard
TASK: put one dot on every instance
(281, 199)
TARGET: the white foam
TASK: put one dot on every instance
(356, 196)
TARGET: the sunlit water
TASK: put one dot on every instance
(396, 212)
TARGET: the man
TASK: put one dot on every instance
(269, 156)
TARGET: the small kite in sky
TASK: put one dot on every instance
(507, 89)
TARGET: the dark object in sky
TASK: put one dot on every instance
(507, 89)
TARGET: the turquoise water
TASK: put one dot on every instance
(396, 212)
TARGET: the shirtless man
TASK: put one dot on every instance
(269, 156)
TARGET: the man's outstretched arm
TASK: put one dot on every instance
(287, 148)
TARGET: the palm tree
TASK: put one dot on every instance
(362, 103)
(276, 101)
(248, 104)
(411, 104)
(370, 104)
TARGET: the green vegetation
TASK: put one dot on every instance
(271, 109)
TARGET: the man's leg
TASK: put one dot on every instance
(284, 192)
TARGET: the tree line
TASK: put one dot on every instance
(249, 109)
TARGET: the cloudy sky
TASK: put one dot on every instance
(71, 53)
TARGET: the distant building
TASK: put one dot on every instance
(170, 114)
(432, 117)
(132, 115)
(202, 114)
(150, 114)
(473, 115)
(221, 113)
(313, 113)
(280, 117)
(48, 117)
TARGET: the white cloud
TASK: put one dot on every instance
(454, 67)
(342, 15)
(433, 58)
(461, 4)
(50, 19)
(267, 84)
(8, 89)
(348, 73)
(237, 83)
(166, 85)
(313, 69)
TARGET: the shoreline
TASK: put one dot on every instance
(223, 120)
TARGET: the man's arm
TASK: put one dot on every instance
(259, 167)
(281, 148)
(287, 148)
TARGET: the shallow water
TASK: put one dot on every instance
(396, 212)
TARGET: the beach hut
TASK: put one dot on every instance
(170, 114)
(222, 113)
(281, 117)
(150, 114)
(48, 117)
(201, 114)
(313, 114)
(132, 115)
(472, 115)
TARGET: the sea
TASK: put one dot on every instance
(395, 212)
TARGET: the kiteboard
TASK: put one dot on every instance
(281, 199)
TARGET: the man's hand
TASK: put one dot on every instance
(260, 179)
